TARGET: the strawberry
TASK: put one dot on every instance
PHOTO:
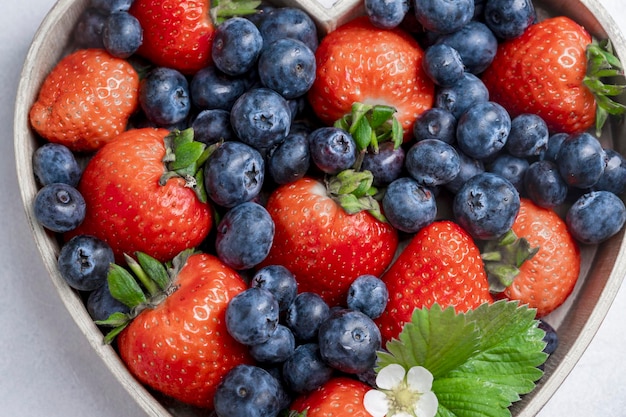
(175, 340)
(180, 34)
(324, 246)
(86, 100)
(359, 63)
(547, 275)
(441, 264)
(135, 204)
(339, 397)
(554, 70)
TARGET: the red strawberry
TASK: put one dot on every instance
(339, 397)
(179, 34)
(321, 244)
(86, 100)
(554, 70)
(180, 346)
(358, 62)
(546, 279)
(130, 209)
(441, 264)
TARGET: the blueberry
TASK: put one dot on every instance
(212, 126)
(277, 349)
(288, 67)
(386, 164)
(164, 96)
(349, 340)
(544, 184)
(528, 136)
(435, 123)
(512, 168)
(486, 206)
(289, 22)
(84, 262)
(111, 6)
(460, 96)
(55, 163)
(554, 144)
(305, 315)
(482, 131)
(101, 304)
(290, 159)
(443, 64)
(369, 295)
(244, 236)
(122, 34)
(305, 370)
(475, 43)
(212, 89)
(508, 19)
(261, 118)
(443, 16)
(468, 168)
(432, 162)
(237, 44)
(595, 217)
(88, 30)
(408, 205)
(613, 177)
(332, 149)
(551, 337)
(252, 316)
(386, 14)
(581, 160)
(279, 281)
(234, 174)
(247, 391)
(59, 207)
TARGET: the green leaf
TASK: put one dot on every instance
(482, 360)
(381, 114)
(124, 287)
(154, 269)
(186, 156)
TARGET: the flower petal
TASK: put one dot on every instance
(427, 405)
(419, 379)
(390, 376)
(376, 403)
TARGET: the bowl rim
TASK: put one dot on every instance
(24, 138)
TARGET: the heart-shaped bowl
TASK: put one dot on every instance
(576, 321)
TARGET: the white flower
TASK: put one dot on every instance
(402, 394)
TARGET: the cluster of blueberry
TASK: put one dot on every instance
(298, 338)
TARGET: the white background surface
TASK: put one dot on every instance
(48, 369)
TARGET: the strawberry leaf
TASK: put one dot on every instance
(154, 269)
(124, 287)
(482, 360)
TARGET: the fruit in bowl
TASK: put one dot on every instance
(449, 251)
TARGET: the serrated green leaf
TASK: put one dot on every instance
(154, 269)
(124, 287)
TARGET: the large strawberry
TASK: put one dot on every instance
(545, 277)
(139, 200)
(86, 100)
(179, 34)
(441, 264)
(339, 397)
(555, 70)
(359, 63)
(175, 338)
(324, 246)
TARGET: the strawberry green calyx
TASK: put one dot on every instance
(483, 359)
(370, 125)
(354, 192)
(503, 258)
(151, 283)
(184, 158)
(602, 64)
(224, 9)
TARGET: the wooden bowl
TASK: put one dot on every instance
(577, 320)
